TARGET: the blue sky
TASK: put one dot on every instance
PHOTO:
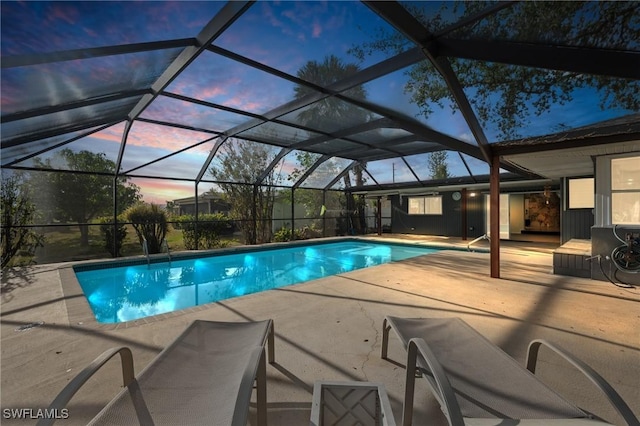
(282, 35)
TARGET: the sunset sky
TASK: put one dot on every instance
(282, 35)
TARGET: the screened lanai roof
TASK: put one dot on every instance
(161, 88)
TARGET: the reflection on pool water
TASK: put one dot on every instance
(125, 293)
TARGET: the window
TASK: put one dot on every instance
(581, 193)
(426, 205)
(625, 190)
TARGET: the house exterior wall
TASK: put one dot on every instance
(185, 209)
(282, 216)
(574, 223)
(204, 207)
(447, 224)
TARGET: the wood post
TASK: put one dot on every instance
(494, 215)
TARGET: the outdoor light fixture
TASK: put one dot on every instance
(547, 193)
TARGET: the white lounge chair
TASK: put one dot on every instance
(477, 383)
(204, 377)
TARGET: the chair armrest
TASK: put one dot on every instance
(614, 398)
(444, 392)
(74, 385)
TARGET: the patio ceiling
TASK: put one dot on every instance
(160, 87)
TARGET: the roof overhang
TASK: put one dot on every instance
(559, 163)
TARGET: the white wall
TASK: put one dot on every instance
(516, 213)
(602, 211)
(282, 216)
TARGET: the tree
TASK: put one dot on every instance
(310, 198)
(506, 95)
(437, 163)
(330, 110)
(17, 211)
(81, 194)
(241, 163)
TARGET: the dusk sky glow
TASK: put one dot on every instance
(282, 35)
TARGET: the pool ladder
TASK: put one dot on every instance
(483, 237)
(145, 250)
(165, 245)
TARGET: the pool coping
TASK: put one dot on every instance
(79, 312)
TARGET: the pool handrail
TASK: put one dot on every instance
(165, 244)
(482, 237)
(145, 250)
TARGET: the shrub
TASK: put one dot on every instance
(284, 234)
(150, 223)
(205, 234)
(178, 221)
(281, 235)
(307, 233)
(113, 239)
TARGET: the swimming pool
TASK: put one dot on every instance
(129, 292)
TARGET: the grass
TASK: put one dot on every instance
(63, 244)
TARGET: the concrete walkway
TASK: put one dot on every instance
(330, 329)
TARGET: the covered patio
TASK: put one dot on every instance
(373, 99)
(330, 329)
(430, 110)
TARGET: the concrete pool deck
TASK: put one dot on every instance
(330, 329)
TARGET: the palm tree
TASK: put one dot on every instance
(330, 110)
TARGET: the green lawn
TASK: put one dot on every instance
(63, 244)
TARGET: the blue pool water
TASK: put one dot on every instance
(125, 293)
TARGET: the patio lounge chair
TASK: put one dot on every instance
(477, 383)
(205, 376)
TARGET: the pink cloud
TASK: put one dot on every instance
(242, 102)
(159, 191)
(316, 30)
(267, 13)
(111, 134)
(10, 96)
(90, 32)
(163, 137)
(211, 92)
(337, 20)
(63, 12)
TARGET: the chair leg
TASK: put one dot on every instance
(385, 339)
(261, 391)
(271, 344)
(409, 390)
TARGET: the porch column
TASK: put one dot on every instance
(463, 213)
(379, 215)
(494, 215)
(293, 214)
(197, 214)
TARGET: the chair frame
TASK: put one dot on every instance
(418, 350)
(257, 374)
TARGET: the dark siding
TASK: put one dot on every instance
(447, 224)
(476, 217)
(576, 223)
